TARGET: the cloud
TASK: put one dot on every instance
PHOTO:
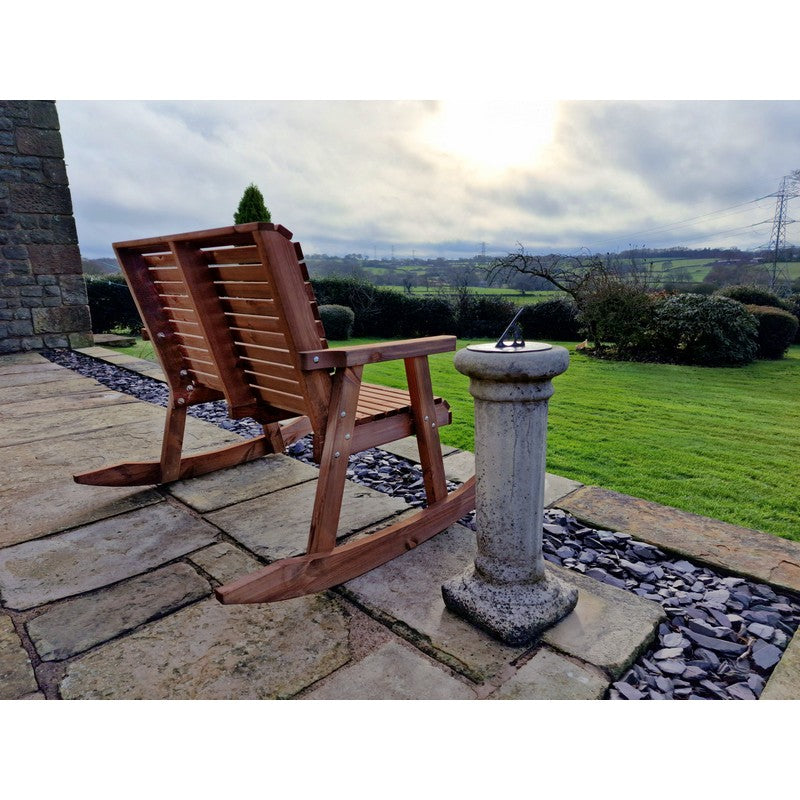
(350, 176)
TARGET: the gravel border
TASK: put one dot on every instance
(723, 636)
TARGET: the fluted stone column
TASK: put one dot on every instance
(508, 591)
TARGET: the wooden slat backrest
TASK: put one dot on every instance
(234, 306)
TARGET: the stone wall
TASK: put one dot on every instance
(42, 294)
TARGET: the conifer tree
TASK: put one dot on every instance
(252, 207)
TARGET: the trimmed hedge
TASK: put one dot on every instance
(689, 287)
(751, 295)
(111, 305)
(793, 305)
(482, 316)
(337, 321)
(553, 320)
(777, 329)
(384, 313)
(709, 331)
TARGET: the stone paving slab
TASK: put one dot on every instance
(12, 369)
(392, 672)
(556, 487)
(743, 551)
(459, 465)
(16, 673)
(550, 675)
(784, 683)
(23, 358)
(38, 495)
(35, 376)
(112, 357)
(406, 594)
(244, 482)
(77, 625)
(71, 384)
(75, 424)
(144, 367)
(37, 492)
(114, 340)
(45, 408)
(103, 353)
(407, 448)
(96, 555)
(209, 651)
(277, 526)
(609, 627)
(225, 562)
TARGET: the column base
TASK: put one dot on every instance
(514, 613)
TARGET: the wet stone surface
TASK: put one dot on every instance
(723, 635)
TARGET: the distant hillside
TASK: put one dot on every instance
(100, 266)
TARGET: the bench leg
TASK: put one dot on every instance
(148, 473)
(423, 409)
(314, 572)
(333, 465)
(174, 428)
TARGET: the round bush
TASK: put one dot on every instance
(617, 313)
(554, 320)
(751, 295)
(689, 287)
(777, 329)
(337, 321)
(793, 305)
(710, 331)
(111, 305)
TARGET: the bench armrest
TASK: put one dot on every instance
(336, 357)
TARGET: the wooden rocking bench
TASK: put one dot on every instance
(232, 315)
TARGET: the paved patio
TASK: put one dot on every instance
(107, 592)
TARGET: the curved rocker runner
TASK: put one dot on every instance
(232, 315)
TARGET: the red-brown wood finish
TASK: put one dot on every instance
(231, 314)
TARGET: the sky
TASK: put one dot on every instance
(435, 178)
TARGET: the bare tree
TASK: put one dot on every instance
(574, 275)
(570, 274)
(590, 280)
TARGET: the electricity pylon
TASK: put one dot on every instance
(777, 239)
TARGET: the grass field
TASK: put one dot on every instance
(723, 443)
(516, 297)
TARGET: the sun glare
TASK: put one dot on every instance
(494, 136)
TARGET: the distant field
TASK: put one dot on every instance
(519, 298)
(721, 442)
(698, 268)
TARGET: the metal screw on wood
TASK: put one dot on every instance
(161, 335)
(184, 373)
(343, 414)
(315, 359)
(181, 401)
(347, 436)
(336, 454)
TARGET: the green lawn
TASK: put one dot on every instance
(724, 443)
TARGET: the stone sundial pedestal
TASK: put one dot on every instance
(509, 592)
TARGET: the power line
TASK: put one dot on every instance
(682, 223)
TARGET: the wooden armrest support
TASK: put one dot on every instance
(356, 355)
